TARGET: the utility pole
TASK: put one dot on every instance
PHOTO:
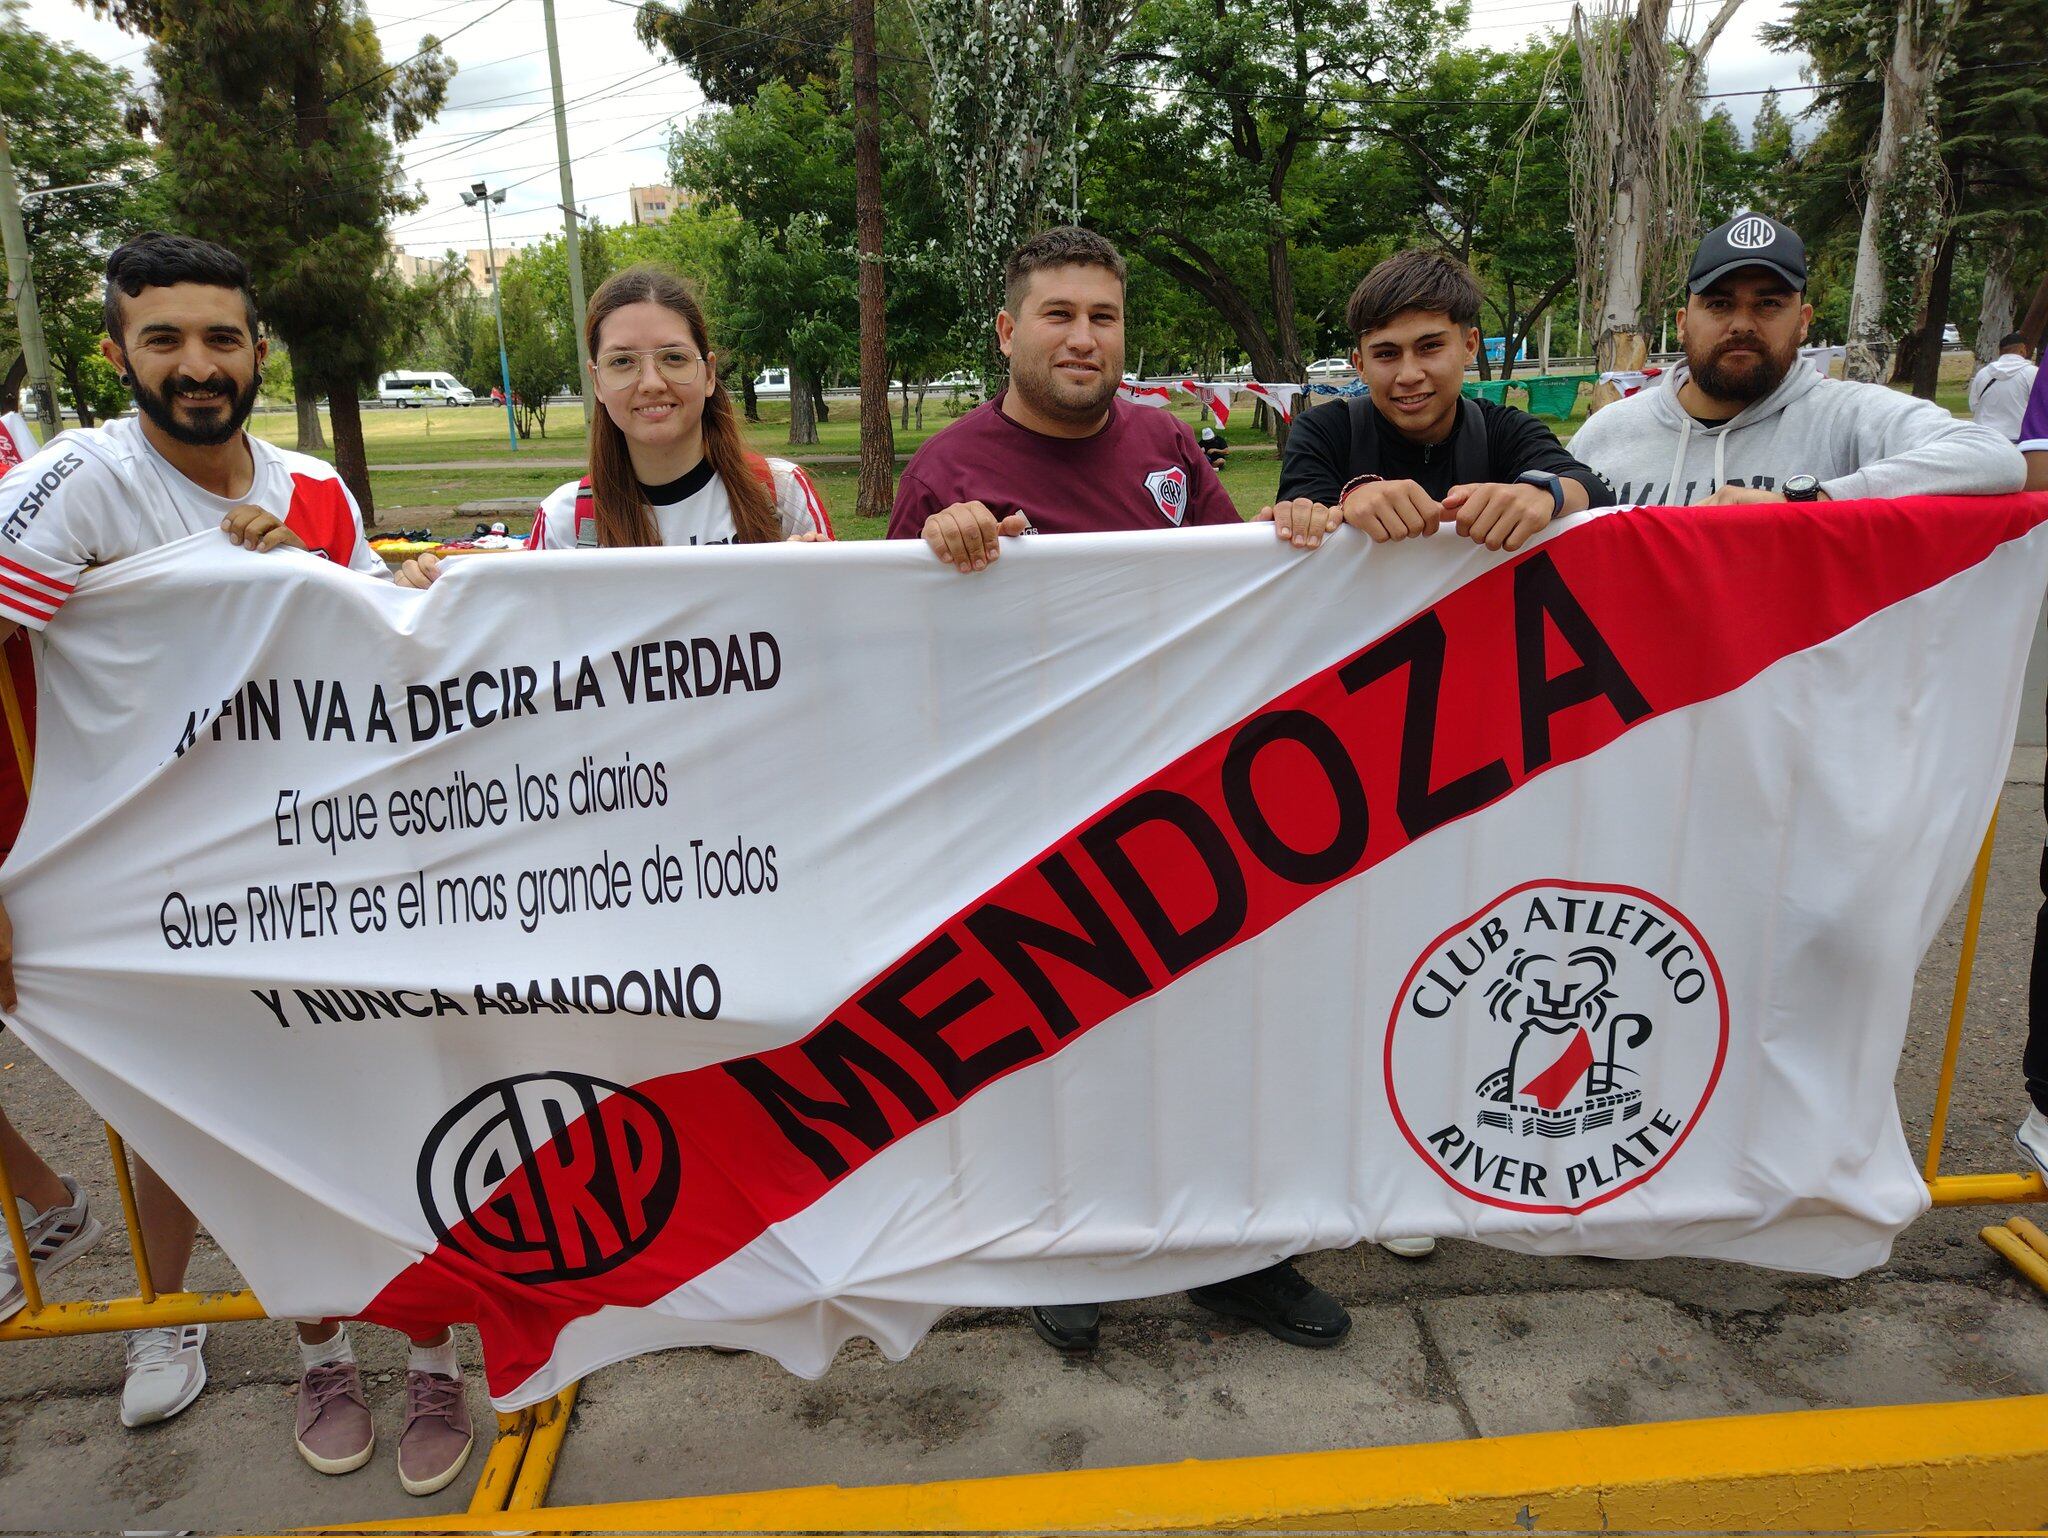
(22, 289)
(569, 231)
(877, 435)
(480, 192)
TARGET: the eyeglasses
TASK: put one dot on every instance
(620, 368)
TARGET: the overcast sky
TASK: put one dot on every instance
(622, 99)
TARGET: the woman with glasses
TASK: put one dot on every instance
(668, 465)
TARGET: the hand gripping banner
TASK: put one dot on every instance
(769, 945)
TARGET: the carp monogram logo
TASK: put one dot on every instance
(1556, 1048)
(1752, 234)
(1169, 490)
(597, 1171)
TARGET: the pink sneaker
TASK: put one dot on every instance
(437, 1437)
(335, 1433)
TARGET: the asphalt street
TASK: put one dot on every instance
(1475, 1342)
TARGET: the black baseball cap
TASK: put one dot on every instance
(1748, 240)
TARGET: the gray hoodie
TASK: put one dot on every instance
(1862, 440)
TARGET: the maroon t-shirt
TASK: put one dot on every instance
(1142, 471)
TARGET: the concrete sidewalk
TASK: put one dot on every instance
(1473, 1343)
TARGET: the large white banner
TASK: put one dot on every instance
(767, 945)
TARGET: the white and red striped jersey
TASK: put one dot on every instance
(96, 494)
(691, 510)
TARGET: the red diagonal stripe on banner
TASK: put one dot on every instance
(1541, 660)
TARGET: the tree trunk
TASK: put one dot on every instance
(2000, 303)
(749, 404)
(819, 405)
(1203, 276)
(1927, 366)
(877, 488)
(76, 385)
(351, 462)
(11, 383)
(306, 400)
(2035, 326)
(1905, 113)
(803, 420)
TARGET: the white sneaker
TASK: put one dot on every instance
(1409, 1249)
(56, 1237)
(166, 1371)
(2032, 1138)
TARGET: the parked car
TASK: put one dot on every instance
(772, 384)
(1950, 336)
(413, 387)
(1331, 370)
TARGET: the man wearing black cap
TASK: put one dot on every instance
(1740, 421)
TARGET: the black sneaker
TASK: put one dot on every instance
(1282, 1302)
(1070, 1327)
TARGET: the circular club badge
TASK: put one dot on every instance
(1554, 1049)
(550, 1177)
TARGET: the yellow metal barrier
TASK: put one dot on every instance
(2018, 1241)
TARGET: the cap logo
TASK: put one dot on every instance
(1751, 234)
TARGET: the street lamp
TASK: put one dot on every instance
(481, 193)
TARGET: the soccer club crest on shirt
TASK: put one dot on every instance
(1169, 488)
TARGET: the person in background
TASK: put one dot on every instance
(1739, 421)
(1215, 447)
(1998, 395)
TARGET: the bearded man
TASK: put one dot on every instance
(1742, 421)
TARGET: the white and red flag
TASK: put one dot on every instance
(17, 440)
(1215, 398)
(1139, 393)
(1280, 397)
(624, 950)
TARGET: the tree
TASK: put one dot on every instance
(540, 346)
(1494, 178)
(66, 119)
(783, 163)
(1226, 139)
(1635, 166)
(277, 120)
(1978, 191)
(735, 47)
(1007, 80)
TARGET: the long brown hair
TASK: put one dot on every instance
(623, 516)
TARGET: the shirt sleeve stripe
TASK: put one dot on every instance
(820, 519)
(41, 610)
(58, 590)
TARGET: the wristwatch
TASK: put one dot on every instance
(1549, 483)
(1802, 488)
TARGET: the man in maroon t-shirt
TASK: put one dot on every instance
(1058, 453)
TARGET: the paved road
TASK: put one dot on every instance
(1474, 1343)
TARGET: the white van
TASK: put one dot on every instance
(410, 388)
(772, 384)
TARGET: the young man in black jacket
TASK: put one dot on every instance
(1417, 452)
